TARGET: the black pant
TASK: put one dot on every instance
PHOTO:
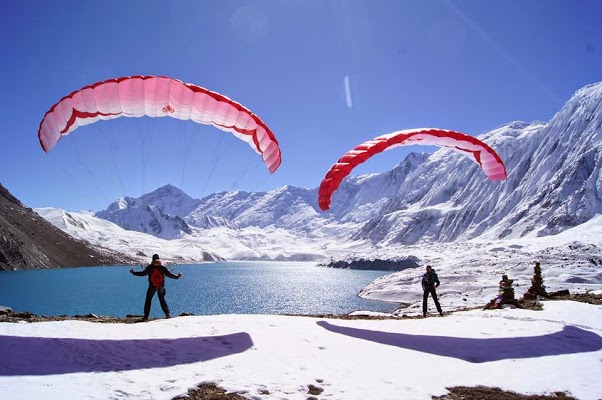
(150, 292)
(433, 292)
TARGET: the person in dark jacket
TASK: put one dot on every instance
(156, 283)
(430, 281)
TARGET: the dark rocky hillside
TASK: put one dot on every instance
(27, 241)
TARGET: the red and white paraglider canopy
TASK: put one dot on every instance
(157, 96)
(475, 149)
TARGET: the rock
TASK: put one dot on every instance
(28, 241)
(537, 289)
(314, 390)
(23, 314)
(376, 264)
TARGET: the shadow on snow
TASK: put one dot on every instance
(478, 350)
(49, 356)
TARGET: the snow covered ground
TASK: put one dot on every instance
(278, 357)
(470, 271)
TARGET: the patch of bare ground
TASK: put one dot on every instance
(535, 305)
(209, 391)
(29, 317)
(493, 393)
(589, 298)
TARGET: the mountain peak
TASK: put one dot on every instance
(587, 89)
(168, 189)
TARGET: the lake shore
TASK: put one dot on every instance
(26, 316)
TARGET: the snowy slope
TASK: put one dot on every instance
(139, 245)
(158, 213)
(470, 271)
(275, 357)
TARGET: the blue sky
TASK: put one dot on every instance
(323, 75)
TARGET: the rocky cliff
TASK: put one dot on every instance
(28, 241)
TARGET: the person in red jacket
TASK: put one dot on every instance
(156, 283)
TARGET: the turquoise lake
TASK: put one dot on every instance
(205, 289)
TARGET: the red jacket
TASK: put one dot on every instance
(150, 268)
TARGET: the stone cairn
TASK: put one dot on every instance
(537, 287)
(507, 292)
(505, 295)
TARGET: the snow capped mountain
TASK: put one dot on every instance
(157, 213)
(149, 219)
(140, 246)
(210, 221)
(553, 184)
(559, 178)
(287, 207)
(360, 198)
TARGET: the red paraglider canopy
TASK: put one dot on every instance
(157, 96)
(475, 149)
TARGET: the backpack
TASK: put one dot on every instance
(156, 278)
